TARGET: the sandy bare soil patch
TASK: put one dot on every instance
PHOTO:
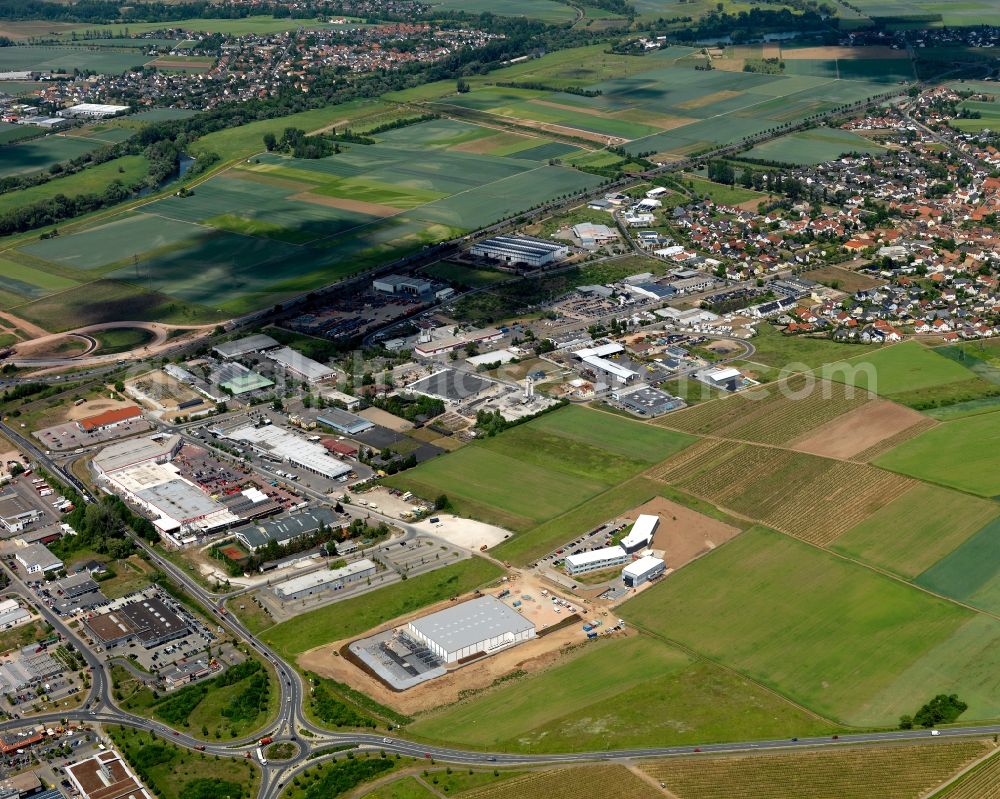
(487, 144)
(770, 50)
(858, 430)
(842, 53)
(664, 121)
(96, 406)
(684, 534)
(386, 419)
(708, 99)
(724, 347)
(465, 533)
(346, 205)
(531, 656)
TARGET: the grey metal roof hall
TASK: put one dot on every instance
(242, 346)
(470, 623)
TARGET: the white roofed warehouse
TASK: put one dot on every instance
(484, 625)
(520, 250)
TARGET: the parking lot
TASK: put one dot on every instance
(67, 436)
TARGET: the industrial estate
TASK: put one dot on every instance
(411, 399)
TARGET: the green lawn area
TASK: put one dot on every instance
(358, 614)
(971, 573)
(618, 693)
(917, 529)
(827, 633)
(22, 635)
(798, 353)
(960, 454)
(122, 339)
(899, 370)
(92, 180)
(169, 769)
(466, 275)
(719, 193)
(404, 788)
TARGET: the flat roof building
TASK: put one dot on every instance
(484, 625)
(109, 419)
(105, 776)
(16, 513)
(299, 365)
(292, 449)
(93, 110)
(344, 422)
(643, 570)
(135, 451)
(244, 346)
(403, 284)
(325, 580)
(647, 401)
(520, 250)
(148, 619)
(288, 528)
(641, 534)
(451, 385)
(595, 560)
(237, 379)
(37, 559)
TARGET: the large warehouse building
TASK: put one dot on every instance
(520, 250)
(480, 626)
(325, 580)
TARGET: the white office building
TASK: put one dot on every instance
(643, 570)
(595, 560)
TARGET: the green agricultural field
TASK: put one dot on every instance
(497, 488)
(93, 180)
(917, 529)
(971, 573)
(30, 282)
(10, 133)
(951, 14)
(109, 300)
(960, 454)
(542, 10)
(813, 146)
(827, 633)
(910, 374)
(37, 155)
(45, 58)
(542, 469)
(280, 226)
(358, 614)
(613, 434)
(618, 693)
(236, 27)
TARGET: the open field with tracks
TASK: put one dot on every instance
(904, 771)
(813, 146)
(617, 692)
(815, 499)
(838, 638)
(960, 454)
(917, 529)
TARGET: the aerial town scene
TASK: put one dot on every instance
(409, 399)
